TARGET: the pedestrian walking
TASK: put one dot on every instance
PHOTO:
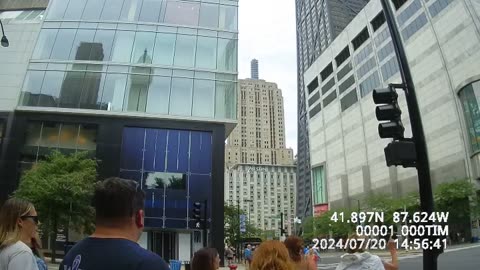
(18, 225)
(119, 218)
(295, 249)
(229, 255)
(271, 255)
(206, 259)
(248, 255)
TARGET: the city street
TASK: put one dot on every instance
(464, 257)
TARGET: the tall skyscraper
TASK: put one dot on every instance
(259, 137)
(318, 23)
(260, 171)
(254, 69)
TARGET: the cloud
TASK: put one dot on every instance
(267, 33)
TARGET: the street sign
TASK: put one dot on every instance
(243, 223)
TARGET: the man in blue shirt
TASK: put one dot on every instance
(248, 254)
(119, 206)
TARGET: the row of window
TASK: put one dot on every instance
(408, 12)
(167, 49)
(210, 15)
(363, 54)
(130, 92)
(414, 26)
(22, 15)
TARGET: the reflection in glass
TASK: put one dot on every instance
(92, 86)
(105, 40)
(228, 18)
(227, 55)
(82, 45)
(93, 8)
(225, 100)
(161, 180)
(181, 97)
(143, 48)
(150, 10)
(131, 10)
(112, 13)
(50, 135)
(51, 89)
(72, 89)
(185, 51)
(113, 92)
(206, 53)
(122, 48)
(31, 88)
(75, 9)
(158, 95)
(137, 92)
(182, 13)
(68, 136)
(87, 137)
(208, 15)
(203, 98)
(57, 9)
(45, 42)
(63, 44)
(164, 49)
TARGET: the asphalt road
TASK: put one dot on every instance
(453, 259)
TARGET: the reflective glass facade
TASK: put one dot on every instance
(470, 99)
(157, 57)
(174, 169)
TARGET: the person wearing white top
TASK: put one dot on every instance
(359, 259)
(18, 225)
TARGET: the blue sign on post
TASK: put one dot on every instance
(243, 223)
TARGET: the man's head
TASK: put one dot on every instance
(119, 203)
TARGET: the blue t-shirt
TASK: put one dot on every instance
(248, 253)
(119, 254)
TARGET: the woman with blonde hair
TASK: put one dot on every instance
(295, 249)
(271, 255)
(18, 226)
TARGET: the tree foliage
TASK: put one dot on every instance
(454, 197)
(61, 187)
(231, 225)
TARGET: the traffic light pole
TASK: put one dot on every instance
(205, 216)
(422, 164)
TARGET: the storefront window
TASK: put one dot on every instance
(470, 98)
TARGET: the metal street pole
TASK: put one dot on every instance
(418, 137)
(205, 235)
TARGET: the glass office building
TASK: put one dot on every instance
(149, 88)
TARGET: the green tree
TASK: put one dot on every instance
(459, 199)
(61, 188)
(231, 225)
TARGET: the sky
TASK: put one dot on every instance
(267, 33)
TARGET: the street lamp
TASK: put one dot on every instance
(5, 42)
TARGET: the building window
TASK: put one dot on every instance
(378, 21)
(342, 56)
(470, 99)
(360, 39)
(348, 100)
(326, 72)
(312, 85)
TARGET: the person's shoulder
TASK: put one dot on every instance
(19, 247)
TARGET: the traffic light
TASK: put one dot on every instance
(197, 212)
(388, 111)
(400, 152)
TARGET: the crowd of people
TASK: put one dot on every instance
(119, 218)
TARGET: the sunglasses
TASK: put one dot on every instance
(34, 218)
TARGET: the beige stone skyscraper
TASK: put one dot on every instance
(260, 173)
(259, 137)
